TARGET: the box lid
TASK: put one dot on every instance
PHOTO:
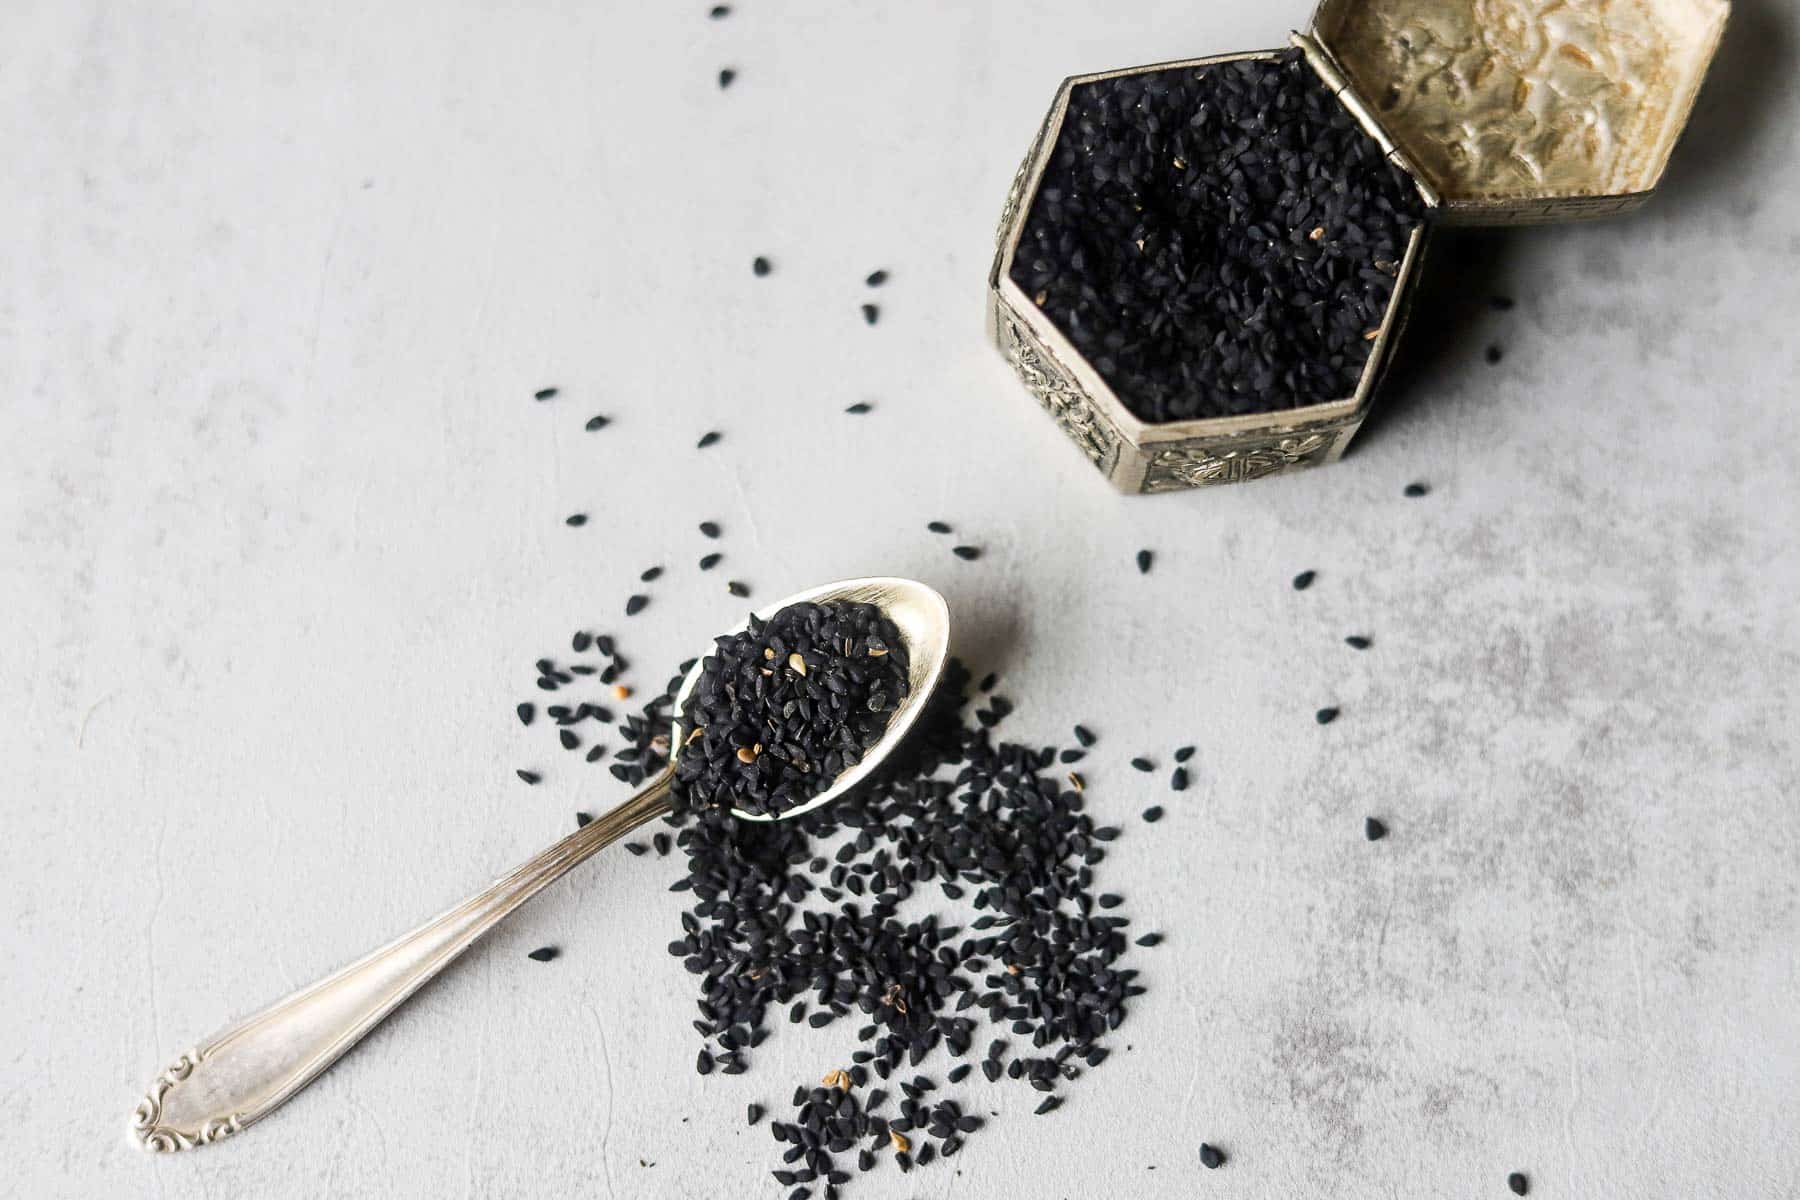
(1518, 111)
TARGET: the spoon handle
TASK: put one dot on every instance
(242, 1073)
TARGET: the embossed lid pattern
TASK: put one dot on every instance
(1522, 110)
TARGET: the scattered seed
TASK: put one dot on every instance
(759, 266)
(635, 605)
(703, 1062)
(526, 713)
(651, 574)
(1183, 754)
(1084, 735)
(725, 77)
(858, 408)
(709, 561)
(621, 692)
(937, 527)
(530, 777)
(969, 553)
(1518, 1184)
(1326, 716)
(1178, 780)
(1211, 1157)
(1415, 490)
(575, 519)
(1150, 939)
(582, 819)
(709, 528)
(1143, 562)
(1153, 814)
(543, 954)
(717, 12)
(1049, 1104)
(1143, 764)
(752, 1114)
(899, 1140)
(544, 394)
(595, 423)
(1357, 642)
(1304, 580)
(708, 439)
(871, 314)
(1373, 829)
(876, 278)
(740, 590)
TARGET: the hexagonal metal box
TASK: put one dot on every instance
(1499, 111)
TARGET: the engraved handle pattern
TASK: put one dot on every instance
(244, 1072)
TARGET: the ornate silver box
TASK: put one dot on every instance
(1503, 112)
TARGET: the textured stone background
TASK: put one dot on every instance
(283, 533)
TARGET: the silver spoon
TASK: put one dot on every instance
(241, 1074)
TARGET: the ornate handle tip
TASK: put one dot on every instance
(154, 1133)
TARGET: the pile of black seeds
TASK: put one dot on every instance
(1217, 240)
(783, 708)
(947, 906)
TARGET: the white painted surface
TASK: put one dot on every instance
(283, 533)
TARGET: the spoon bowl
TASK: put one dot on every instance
(923, 620)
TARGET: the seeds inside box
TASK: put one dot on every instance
(1203, 266)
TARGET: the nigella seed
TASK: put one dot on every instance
(858, 408)
(1357, 642)
(725, 78)
(638, 849)
(1178, 781)
(753, 1114)
(1373, 829)
(719, 11)
(1153, 814)
(1326, 716)
(759, 266)
(709, 561)
(1211, 1157)
(526, 713)
(568, 739)
(651, 574)
(1084, 735)
(1415, 490)
(595, 423)
(1494, 354)
(876, 278)
(1149, 939)
(1143, 562)
(709, 529)
(543, 954)
(937, 527)
(635, 605)
(871, 314)
(1049, 1104)
(583, 819)
(709, 439)
(1518, 1184)
(544, 394)
(530, 777)
(1304, 580)
(1143, 764)
(968, 553)
(1183, 754)
(959, 1072)
(577, 520)
(737, 589)
(703, 1062)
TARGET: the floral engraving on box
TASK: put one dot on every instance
(1523, 98)
(1056, 390)
(1203, 466)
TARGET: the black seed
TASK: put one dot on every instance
(1373, 829)
(1415, 490)
(858, 408)
(1211, 1157)
(1326, 716)
(635, 605)
(1304, 580)
(575, 519)
(543, 954)
(651, 574)
(959, 1072)
(530, 777)
(726, 76)
(709, 529)
(703, 1062)
(595, 423)
(544, 394)
(1153, 814)
(1143, 764)
(737, 589)
(753, 1114)
(1143, 562)
(937, 527)
(1048, 1104)
(637, 849)
(568, 739)
(1178, 780)
(1518, 1184)
(1150, 939)
(582, 819)
(1183, 754)
(1494, 354)
(759, 265)
(966, 552)
(1357, 642)
(719, 10)
(871, 314)
(1084, 735)
(526, 713)
(709, 439)
(876, 278)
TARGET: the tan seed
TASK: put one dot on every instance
(797, 663)
(877, 652)
(768, 652)
(746, 754)
(901, 1144)
(1317, 233)
(1372, 334)
(1077, 782)
(837, 1079)
(621, 692)
(1013, 968)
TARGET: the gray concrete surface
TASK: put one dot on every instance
(283, 533)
